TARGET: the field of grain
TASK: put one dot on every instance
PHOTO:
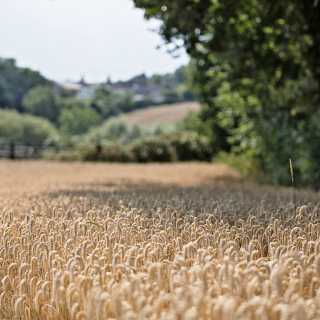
(181, 241)
(164, 114)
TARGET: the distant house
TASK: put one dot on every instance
(81, 89)
(140, 87)
(72, 87)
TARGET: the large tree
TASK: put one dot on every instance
(258, 71)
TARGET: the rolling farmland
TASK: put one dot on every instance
(164, 114)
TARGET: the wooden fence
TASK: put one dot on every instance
(18, 151)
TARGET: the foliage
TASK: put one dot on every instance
(66, 155)
(111, 152)
(108, 103)
(173, 87)
(257, 69)
(171, 143)
(189, 146)
(28, 91)
(15, 82)
(246, 165)
(42, 101)
(153, 149)
(195, 122)
(26, 129)
(77, 118)
(116, 141)
(114, 131)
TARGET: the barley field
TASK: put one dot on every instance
(177, 241)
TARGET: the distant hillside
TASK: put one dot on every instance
(143, 90)
(154, 99)
(157, 89)
(164, 114)
(15, 82)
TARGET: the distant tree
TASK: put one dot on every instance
(42, 101)
(11, 128)
(171, 96)
(26, 129)
(109, 103)
(38, 131)
(114, 130)
(15, 82)
(77, 118)
(175, 86)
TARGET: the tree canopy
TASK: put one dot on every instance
(15, 82)
(77, 118)
(42, 101)
(25, 129)
(257, 70)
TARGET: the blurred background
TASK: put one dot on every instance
(163, 81)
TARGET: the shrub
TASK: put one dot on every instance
(113, 131)
(25, 129)
(65, 155)
(161, 147)
(190, 146)
(245, 164)
(77, 118)
(153, 149)
(109, 153)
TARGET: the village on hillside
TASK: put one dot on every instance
(157, 89)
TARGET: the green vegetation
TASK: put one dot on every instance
(141, 91)
(16, 82)
(77, 118)
(78, 122)
(153, 149)
(29, 92)
(117, 142)
(26, 130)
(189, 145)
(42, 101)
(109, 104)
(257, 71)
(114, 131)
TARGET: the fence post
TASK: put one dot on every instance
(12, 151)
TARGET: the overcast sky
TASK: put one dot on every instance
(65, 39)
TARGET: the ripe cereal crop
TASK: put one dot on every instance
(188, 241)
